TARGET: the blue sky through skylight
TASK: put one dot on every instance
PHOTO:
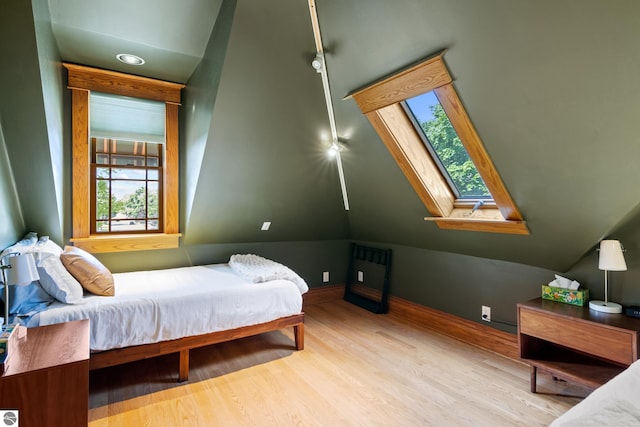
(421, 106)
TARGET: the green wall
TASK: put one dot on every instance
(56, 102)
(32, 114)
(308, 258)
(260, 154)
(461, 284)
(198, 100)
(548, 85)
(11, 221)
(624, 286)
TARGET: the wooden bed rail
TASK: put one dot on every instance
(119, 356)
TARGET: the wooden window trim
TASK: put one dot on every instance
(82, 80)
(380, 102)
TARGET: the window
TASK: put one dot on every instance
(444, 145)
(420, 118)
(125, 161)
(126, 187)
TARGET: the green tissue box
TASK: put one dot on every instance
(567, 296)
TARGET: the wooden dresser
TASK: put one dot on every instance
(47, 376)
(574, 343)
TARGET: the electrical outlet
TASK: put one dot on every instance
(360, 276)
(325, 276)
(486, 313)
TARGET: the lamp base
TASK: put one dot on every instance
(605, 307)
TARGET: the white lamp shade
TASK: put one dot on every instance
(23, 270)
(611, 257)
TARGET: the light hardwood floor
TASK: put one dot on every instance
(357, 369)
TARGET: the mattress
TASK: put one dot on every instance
(159, 305)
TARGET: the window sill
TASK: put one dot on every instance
(487, 220)
(486, 225)
(127, 242)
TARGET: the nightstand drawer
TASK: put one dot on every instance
(592, 338)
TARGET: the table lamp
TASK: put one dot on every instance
(611, 259)
(19, 270)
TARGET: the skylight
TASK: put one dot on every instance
(421, 120)
(443, 142)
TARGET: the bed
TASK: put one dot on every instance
(616, 403)
(152, 313)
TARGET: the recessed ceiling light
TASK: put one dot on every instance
(130, 59)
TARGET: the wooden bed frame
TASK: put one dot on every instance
(119, 356)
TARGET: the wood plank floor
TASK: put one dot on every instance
(357, 369)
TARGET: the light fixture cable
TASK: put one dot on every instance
(320, 65)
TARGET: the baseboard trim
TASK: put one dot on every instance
(467, 331)
(323, 294)
(473, 333)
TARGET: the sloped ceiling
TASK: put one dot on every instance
(171, 36)
(551, 87)
(263, 157)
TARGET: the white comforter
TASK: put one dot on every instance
(616, 403)
(159, 305)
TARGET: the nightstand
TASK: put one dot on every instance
(47, 376)
(574, 343)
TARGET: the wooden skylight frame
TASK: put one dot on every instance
(381, 103)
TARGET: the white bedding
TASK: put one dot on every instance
(616, 403)
(257, 269)
(158, 305)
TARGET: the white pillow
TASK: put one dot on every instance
(23, 246)
(30, 299)
(45, 248)
(57, 281)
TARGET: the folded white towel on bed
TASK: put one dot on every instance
(256, 269)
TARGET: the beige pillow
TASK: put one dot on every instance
(91, 273)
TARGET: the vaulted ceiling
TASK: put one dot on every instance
(551, 87)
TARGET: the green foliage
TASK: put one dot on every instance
(152, 206)
(132, 206)
(135, 204)
(102, 201)
(453, 155)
